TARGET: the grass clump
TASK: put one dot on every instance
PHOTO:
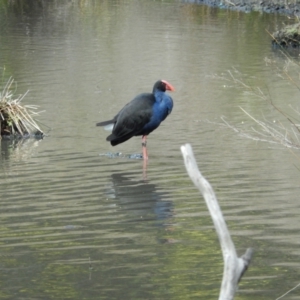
(288, 36)
(16, 120)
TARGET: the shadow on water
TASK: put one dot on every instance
(139, 197)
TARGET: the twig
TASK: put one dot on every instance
(288, 291)
(234, 267)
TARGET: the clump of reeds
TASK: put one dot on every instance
(16, 120)
(289, 36)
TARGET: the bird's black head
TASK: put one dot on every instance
(162, 85)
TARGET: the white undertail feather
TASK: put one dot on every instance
(109, 127)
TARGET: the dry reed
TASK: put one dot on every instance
(16, 120)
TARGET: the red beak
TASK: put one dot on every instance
(169, 86)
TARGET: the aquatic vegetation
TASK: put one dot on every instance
(16, 120)
(288, 36)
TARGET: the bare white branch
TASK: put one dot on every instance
(234, 267)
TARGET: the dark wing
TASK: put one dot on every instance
(131, 120)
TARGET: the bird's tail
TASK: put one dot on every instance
(105, 123)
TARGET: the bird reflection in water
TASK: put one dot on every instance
(140, 198)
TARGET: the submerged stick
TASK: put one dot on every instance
(234, 267)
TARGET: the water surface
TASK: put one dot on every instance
(79, 224)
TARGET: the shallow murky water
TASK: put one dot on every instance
(79, 224)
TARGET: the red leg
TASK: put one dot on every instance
(145, 169)
(144, 145)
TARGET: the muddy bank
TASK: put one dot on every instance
(267, 6)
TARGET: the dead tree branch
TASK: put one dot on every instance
(234, 267)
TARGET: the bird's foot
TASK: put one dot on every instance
(135, 156)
